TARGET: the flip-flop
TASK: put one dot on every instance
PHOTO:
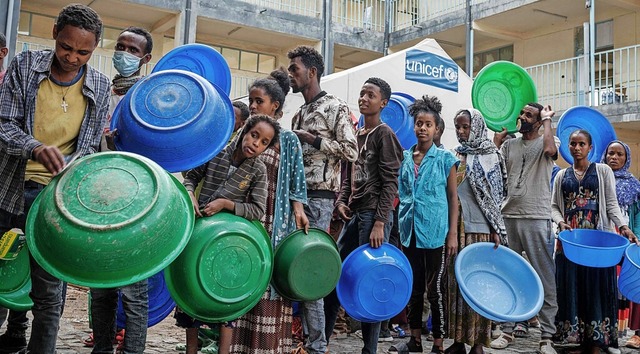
(88, 342)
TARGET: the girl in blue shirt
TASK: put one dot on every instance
(428, 218)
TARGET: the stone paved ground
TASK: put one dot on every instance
(164, 337)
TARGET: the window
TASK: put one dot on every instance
(232, 56)
(480, 60)
(249, 61)
(239, 59)
(266, 63)
(604, 37)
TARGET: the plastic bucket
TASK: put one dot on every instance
(306, 267)
(160, 302)
(375, 284)
(175, 118)
(629, 279)
(591, 120)
(499, 92)
(199, 59)
(498, 283)
(224, 270)
(111, 219)
(15, 284)
(396, 116)
(593, 248)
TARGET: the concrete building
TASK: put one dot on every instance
(549, 38)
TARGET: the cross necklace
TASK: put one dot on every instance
(63, 91)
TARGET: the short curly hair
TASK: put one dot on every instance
(144, 33)
(310, 57)
(244, 109)
(81, 16)
(385, 89)
(427, 104)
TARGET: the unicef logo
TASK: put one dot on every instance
(451, 74)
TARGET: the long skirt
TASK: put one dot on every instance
(266, 329)
(587, 304)
(464, 324)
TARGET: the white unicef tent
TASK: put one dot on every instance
(422, 69)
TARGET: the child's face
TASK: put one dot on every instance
(256, 140)
(261, 103)
(424, 127)
(370, 100)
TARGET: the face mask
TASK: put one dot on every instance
(524, 126)
(126, 63)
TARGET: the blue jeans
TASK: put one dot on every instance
(104, 303)
(318, 211)
(355, 233)
(47, 292)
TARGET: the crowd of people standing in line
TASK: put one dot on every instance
(499, 191)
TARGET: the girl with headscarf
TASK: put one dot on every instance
(481, 178)
(618, 157)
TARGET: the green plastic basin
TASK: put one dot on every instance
(111, 219)
(306, 267)
(224, 270)
(499, 92)
(15, 282)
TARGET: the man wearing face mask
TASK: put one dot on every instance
(132, 51)
(527, 212)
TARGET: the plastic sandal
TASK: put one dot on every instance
(520, 331)
(502, 342)
(633, 342)
(212, 348)
(88, 342)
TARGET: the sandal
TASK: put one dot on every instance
(502, 342)
(88, 342)
(210, 349)
(405, 348)
(520, 330)
(633, 342)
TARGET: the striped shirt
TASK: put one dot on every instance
(246, 186)
(17, 106)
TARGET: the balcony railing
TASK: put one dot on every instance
(370, 14)
(564, 83)
(312, 8)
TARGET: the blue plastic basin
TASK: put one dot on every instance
(629, 279)
(199, 59)
(176, 118)
(160, 302)
(396, 116)
(498, 284)
(593, 248)
(375, 283)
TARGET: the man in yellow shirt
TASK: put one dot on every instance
(52, 108)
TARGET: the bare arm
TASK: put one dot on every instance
(452, 199)
(548, 142)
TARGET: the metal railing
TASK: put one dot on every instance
(366, 14)
(564, 84)
(312, 8)
(558, 83)
(370, 14)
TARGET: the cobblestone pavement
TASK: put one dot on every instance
(164, 337)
